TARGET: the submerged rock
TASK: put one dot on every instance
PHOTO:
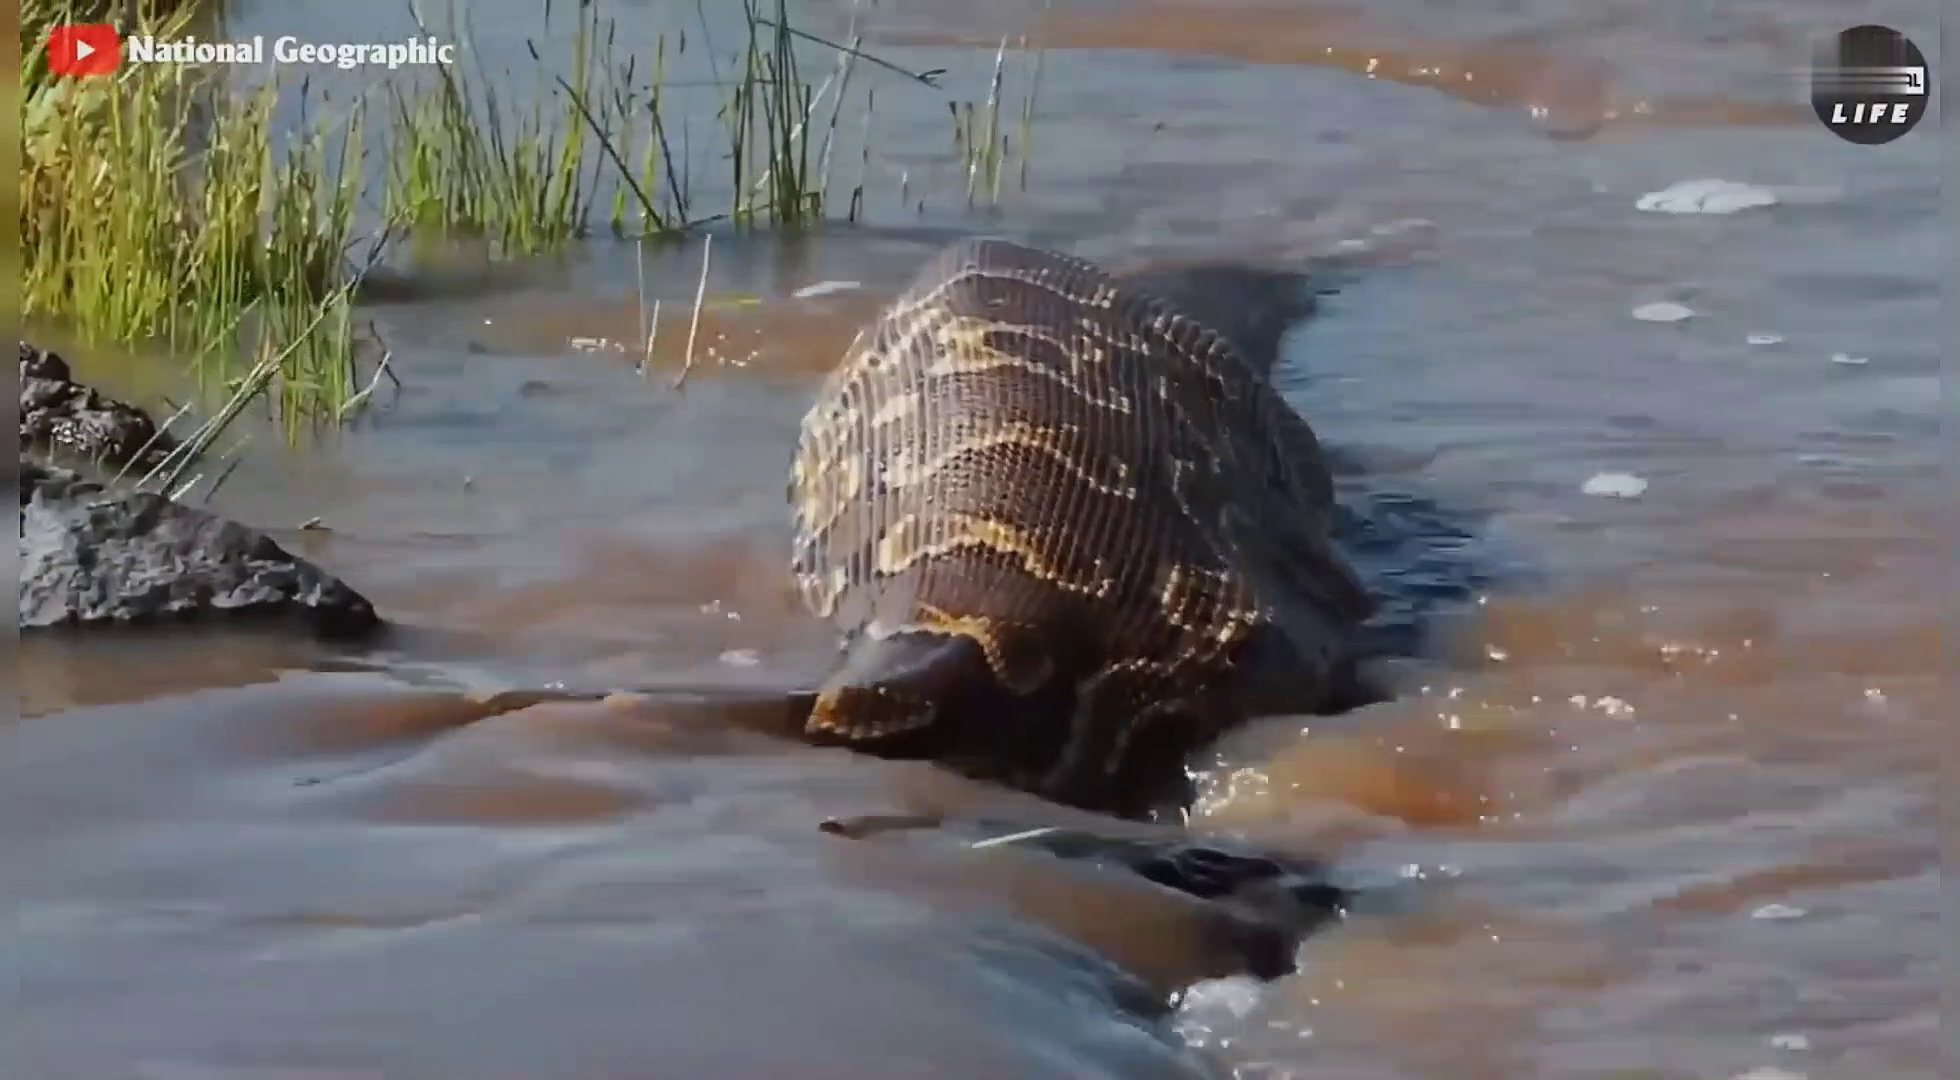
(1280, 900)
(61, 416)
(94, 557)
(1274, 901)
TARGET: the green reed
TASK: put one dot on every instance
(767, 121)
(157, 210)
(460, 165)
(984, 148)
(164, 208)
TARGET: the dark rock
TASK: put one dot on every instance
(61, 416)
(93, 557)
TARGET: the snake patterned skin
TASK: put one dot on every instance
(1068, 533)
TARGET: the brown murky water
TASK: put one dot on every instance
(1673, 815)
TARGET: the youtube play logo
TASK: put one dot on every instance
(92, 49)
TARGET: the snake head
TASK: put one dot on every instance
(896, 688)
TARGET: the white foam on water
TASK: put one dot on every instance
(1615, 486)
(1708, 196)
(825, 288)
(1665, 311)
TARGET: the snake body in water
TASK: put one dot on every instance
(1066, 527)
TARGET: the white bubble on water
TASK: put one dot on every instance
(1613, 706)
(825, 288)
(1664, 311)
(1708, 196)
(1609, 485)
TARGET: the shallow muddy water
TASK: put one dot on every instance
(1667, 810)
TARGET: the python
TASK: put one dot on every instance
(1065, 526)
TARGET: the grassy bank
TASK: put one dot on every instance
(165, 209)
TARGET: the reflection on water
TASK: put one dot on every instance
(1659, 804)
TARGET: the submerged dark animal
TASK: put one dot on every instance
(1068, 529)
